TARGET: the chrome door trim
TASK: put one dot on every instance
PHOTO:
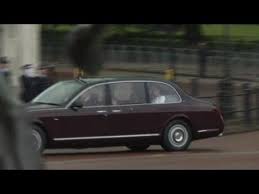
(106, 137)
(207, 130)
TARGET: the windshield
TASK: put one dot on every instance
(59, 94)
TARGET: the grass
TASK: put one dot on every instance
(237, 32)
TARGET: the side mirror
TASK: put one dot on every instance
(77, 105)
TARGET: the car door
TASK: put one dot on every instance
(88, 122)
(163, 103)
(127, 113)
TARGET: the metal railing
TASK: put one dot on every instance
(243, 65)
(244, 105)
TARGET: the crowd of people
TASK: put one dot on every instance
(33, 80)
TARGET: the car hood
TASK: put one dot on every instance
(39, 107)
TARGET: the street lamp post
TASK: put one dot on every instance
(226, 46)
(226, 85)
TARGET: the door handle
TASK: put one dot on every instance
(102, 111)
(116, 111)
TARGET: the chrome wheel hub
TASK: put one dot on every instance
(178, 135)
(37, 141)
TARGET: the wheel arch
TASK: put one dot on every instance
(184, 118)
(40, 124)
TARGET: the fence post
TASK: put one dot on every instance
(138, 53)
(247, 103)
(226, 98)
(202, 52)
(195, 85)
(257, 104)
(113, 54)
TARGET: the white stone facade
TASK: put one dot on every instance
(21, 44)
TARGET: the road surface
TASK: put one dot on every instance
(237, 151)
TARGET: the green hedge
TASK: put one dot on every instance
(115, 35)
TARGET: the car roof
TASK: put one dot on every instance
(95, 80)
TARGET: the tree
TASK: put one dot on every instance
(192, 33)
(85, 49)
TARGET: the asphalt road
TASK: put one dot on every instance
(237, 151)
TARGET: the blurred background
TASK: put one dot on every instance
(218, 63)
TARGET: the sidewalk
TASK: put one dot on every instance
(239, 128)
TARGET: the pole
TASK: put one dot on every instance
(247, 103)
(195, 87)
(227, 86)
(226, 46)
(257, 105)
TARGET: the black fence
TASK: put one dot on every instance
(242, 107)
(186, 61)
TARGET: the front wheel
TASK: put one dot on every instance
(39, 139)
(137, 148)
(177, 136)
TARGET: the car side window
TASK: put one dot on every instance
(127, 93)
(160, 93)
(94, 96)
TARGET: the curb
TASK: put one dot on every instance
(233, 132)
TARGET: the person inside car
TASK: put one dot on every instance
(157, 97)
(94, 97)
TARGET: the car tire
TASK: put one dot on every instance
(138, 148)
(39, 138)
(177, 136)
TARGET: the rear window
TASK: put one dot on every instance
(160, 93)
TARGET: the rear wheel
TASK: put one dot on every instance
(177, 136)
(137, 148)
(39, 138)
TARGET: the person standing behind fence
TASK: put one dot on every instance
(43, 80)
(4, 70)
(203, 53)
(170, 71)
(51, 73)
(28, 83)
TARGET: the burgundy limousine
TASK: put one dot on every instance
(131, 112)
